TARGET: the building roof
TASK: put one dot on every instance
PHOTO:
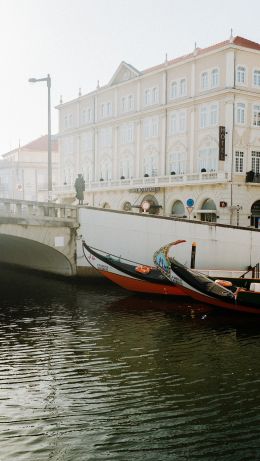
(41, 144)
(37, 145)
(238, 41)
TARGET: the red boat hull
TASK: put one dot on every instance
(219, 303)
(142, 286)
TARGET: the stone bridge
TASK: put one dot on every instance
(39, 235)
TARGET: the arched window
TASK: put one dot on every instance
(208, 211)
(106, 170)
(123, 103)
(208, 159)
(151, 164)
(241, 109)
(183, 87)
(204, 81)
(178, 209)
(127, 206)
(214, 78)
(126, 167)
(255, 214)
(174, 90)
(256, 77)
(155, 95)
(241, 75)
(154, 207)
(177, 162)
(87, 171)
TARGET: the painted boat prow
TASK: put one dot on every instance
(201, 288)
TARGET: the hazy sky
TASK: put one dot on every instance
(81, 41)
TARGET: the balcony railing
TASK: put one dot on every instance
(37, 210)
(150, 181)
(253, 177)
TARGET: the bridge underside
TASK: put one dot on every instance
(34, 255)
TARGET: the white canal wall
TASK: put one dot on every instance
(138, 236)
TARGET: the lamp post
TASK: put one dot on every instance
(48, 81)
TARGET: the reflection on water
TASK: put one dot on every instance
(89, 372)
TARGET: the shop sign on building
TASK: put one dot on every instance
(145, 189)
(222, 134)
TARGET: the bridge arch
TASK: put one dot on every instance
(33, 255)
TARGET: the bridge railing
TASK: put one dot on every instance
(14, 207)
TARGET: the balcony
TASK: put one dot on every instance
(148, 182)
(252, 177)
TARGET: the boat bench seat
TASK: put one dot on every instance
(255, 287)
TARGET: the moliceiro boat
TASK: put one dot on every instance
(227, 294)
(130, 275)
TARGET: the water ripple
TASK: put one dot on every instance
(88, 373)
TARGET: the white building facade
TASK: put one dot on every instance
(183, 137)
(24, 170)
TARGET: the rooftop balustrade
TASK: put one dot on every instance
(211, 177)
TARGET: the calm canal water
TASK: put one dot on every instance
(89, 372)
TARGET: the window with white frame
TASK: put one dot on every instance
(177, 122)
(214, 78)
(173, 123)
(177, 162)
(105, 137)
(86, 115)
(87, 171)
(239, 161)
(208, 159)
(204, 81)
(240, 113)
(209, 115)
(256, 78)
(178, 88)
(89, 114)
(183, 87)
(130, 102)
(127, 133)
(255, 159)
(127, 103)
(256, 115)
(123, 104)
(203, 117)
(151, 127)
(182, 121)
(86, 142)
(147, 97)
(106, 109)
(70, 120)
(213, 114)
(109, 109)
(155, 127)
(146, 126)
(209, 79)
(66, 123)
(241, 75)
(126, 167)
(155, 95)
(106, 169)
(68, 163)
(151, 164)
(174, 90)
(151, 96)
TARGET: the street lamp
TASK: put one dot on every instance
(48, 81)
